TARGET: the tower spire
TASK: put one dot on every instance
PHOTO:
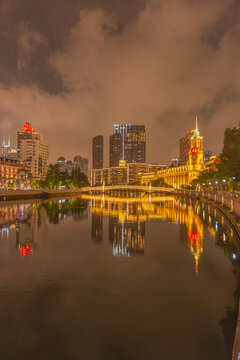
(196, 123)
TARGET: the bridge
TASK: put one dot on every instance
(127, 188)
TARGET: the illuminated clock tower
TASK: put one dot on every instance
(196, 154)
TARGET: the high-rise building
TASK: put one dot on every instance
(81, 163)
(6, 148)
(185, 145)
(115, 149)
(97, 152)
(133, 139)
(33, 151)
(62, 162)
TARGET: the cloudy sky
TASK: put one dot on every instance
(74, 68)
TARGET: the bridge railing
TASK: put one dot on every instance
(232, 201)
(127, 187)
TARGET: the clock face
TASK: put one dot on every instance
(194, 157)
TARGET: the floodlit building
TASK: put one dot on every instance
(116, 175)
(12, 170)
(123, 173)
(133, 142)
(182, 175)
(33, 151)
(135, 170)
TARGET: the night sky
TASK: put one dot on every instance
(73, 68)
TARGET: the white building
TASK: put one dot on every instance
(33, 151)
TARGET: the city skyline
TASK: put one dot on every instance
(156, 78)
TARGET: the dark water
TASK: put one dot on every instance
(110, 279)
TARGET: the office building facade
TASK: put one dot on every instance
(97, 152)
(115, 149)
(81, 163)
(133, 142)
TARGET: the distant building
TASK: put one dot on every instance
(123, 173)
(133, 139)
(81, 163)
(174, 162)
(12, 170)
(65, 165)
(6, 147)
(33, 151)
(69, 167)
(13, 154)
(97, 152)
(116, 175)
(185, 145)
(115, 149)
(207, 155)
(135, 170)
(62, 162)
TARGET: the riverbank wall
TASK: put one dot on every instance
(7, 195)
(229, 205)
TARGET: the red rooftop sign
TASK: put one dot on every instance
(194, 150)
(27, 128)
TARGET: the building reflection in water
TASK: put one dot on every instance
(126, 231)
(31, 233)
(127, 219)
(29, 222)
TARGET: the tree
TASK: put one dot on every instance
(230, 156)
(53, 177)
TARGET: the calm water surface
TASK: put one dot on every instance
(102, 278)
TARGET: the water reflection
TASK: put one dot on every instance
(126, 223)
(30, 221)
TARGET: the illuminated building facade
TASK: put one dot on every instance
(97, 152)
(33, 151)
(185, 174)
(6, 148)
(135, 171)
(115, 149)
(116, 175)
(11, 170)
(133, 142)
(123, 173)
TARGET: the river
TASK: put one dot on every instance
(97, 278)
